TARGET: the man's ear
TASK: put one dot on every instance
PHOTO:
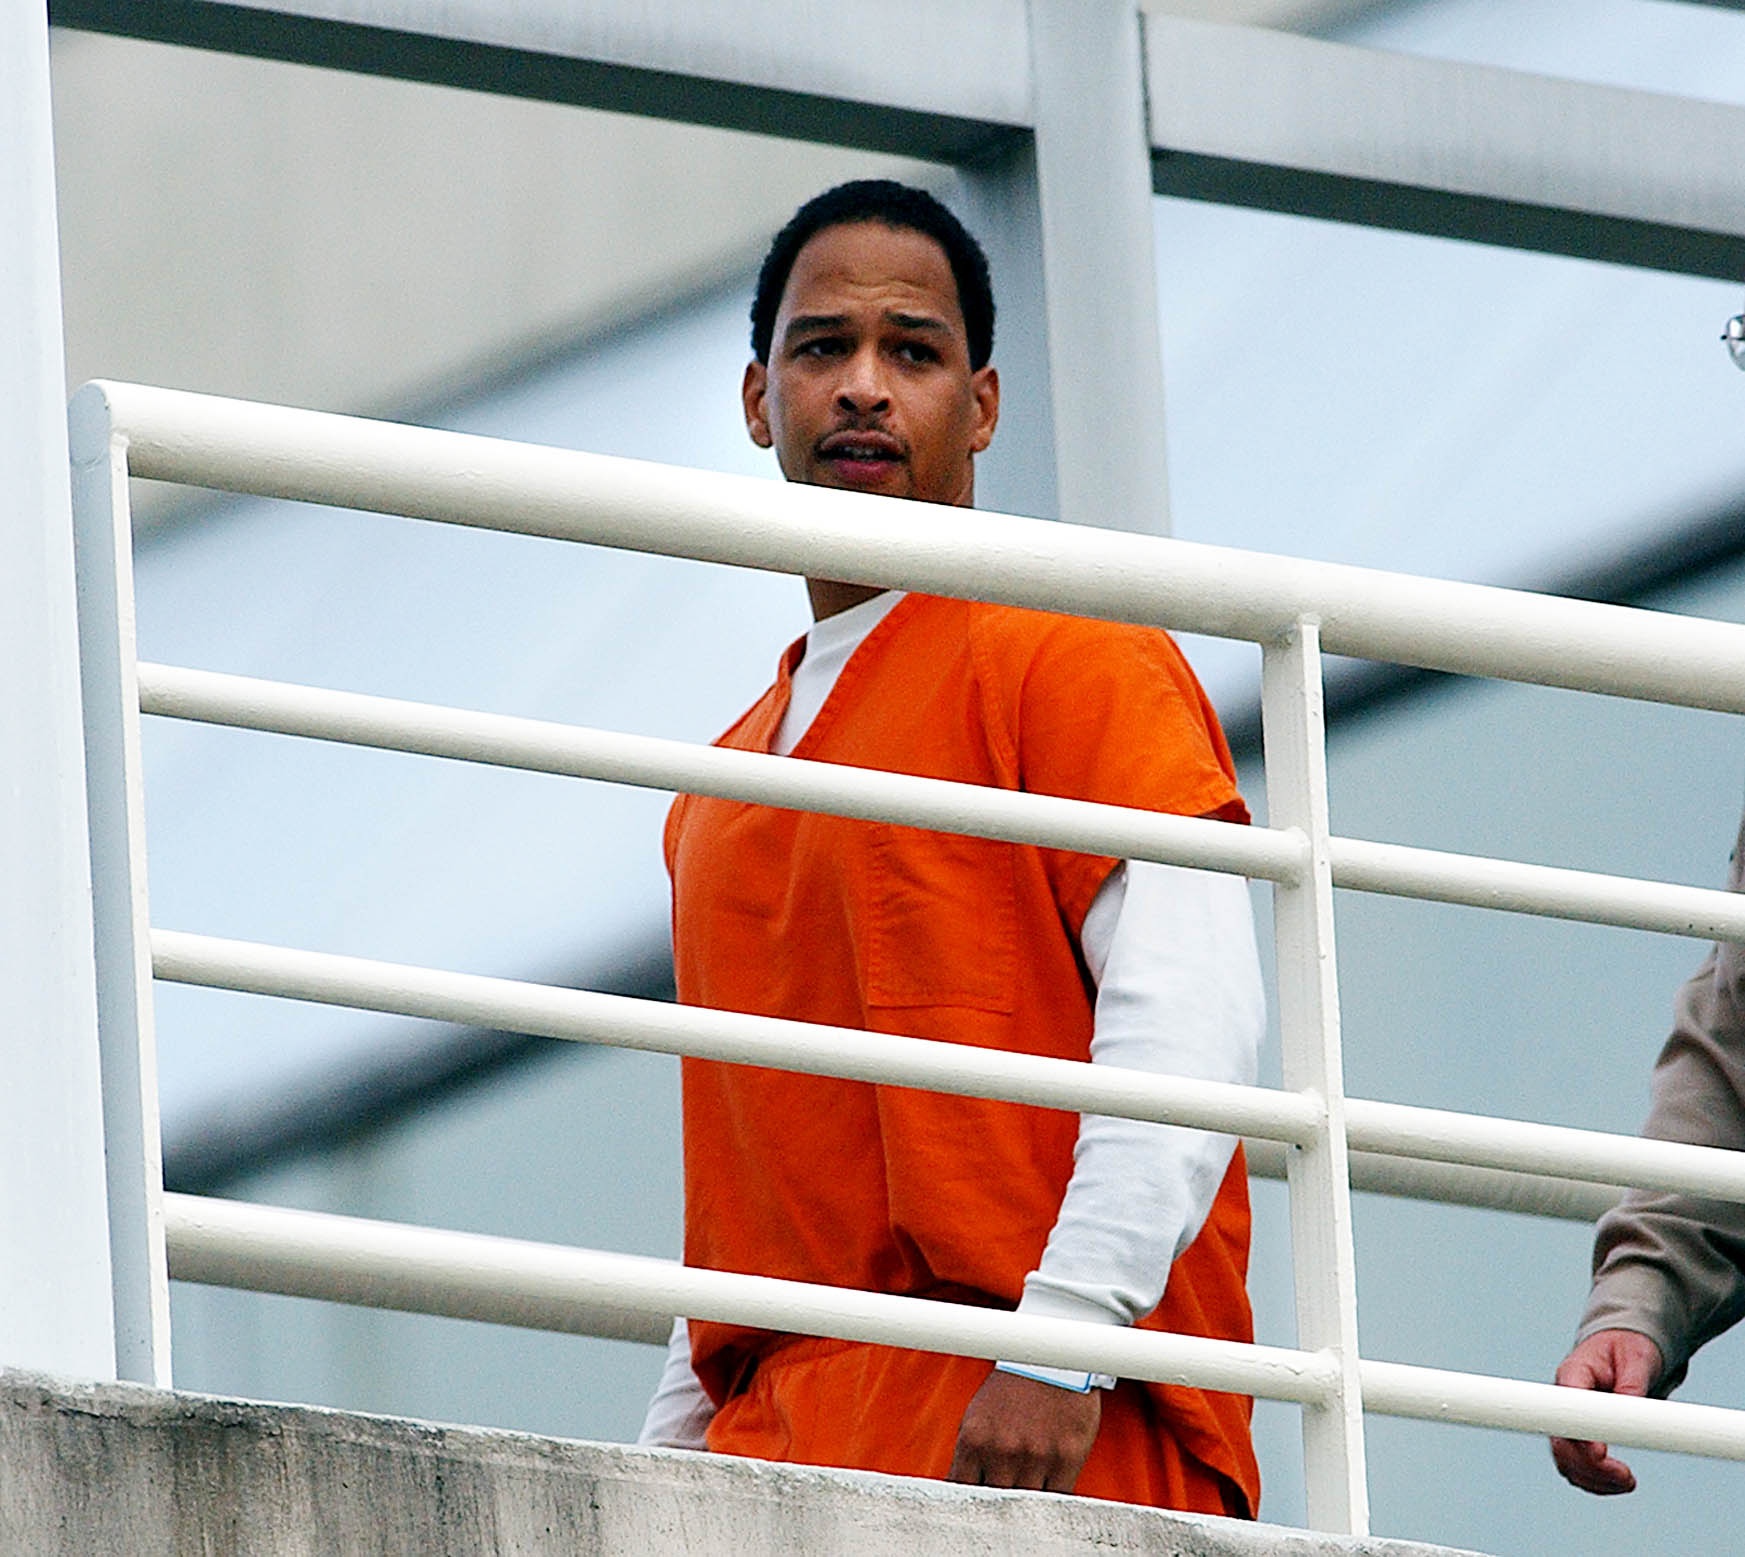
(754, 393)
(984, 385)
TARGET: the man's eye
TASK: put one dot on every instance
(917, 351)
(821, 346)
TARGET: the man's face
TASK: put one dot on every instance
(868, 385)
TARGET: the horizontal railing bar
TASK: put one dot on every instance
(487, 483)
(661, 1027)
(1546, 890)
(1489, 1189)
(244, 702)
(1519, 1406)
(1386, 1129)
(1522, 1146)
(390, 724)
(582, 1291)
(546, 1286)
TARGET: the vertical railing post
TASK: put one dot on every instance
(115, 800)
(1308, 1012)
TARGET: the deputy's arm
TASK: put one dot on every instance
(1669, 1269)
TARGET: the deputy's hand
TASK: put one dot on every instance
(1616, 1362)
(1018, 1432)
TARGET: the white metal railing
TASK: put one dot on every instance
(1294, 609)
(545, 1286)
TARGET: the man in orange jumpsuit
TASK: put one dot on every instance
(871, 335)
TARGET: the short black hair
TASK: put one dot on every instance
(896, 205)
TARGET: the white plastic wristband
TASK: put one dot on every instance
(1060, 1378)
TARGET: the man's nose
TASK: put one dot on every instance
(862, 387)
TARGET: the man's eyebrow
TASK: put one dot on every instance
(925, 322)
(800, 324)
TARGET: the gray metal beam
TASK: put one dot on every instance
(942, 82)
(1256, 118)
(1100, 271)
(1240, 115)
(55, 1308)
(998, 201)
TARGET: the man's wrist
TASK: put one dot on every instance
(1075, 1379)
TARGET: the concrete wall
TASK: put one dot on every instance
(104, 1469)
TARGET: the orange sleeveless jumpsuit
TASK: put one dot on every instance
(967, 940)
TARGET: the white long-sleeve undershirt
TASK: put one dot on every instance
(829, 646)
(1179, 992)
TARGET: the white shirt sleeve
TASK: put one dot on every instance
(1179, 992)
(680, 1412)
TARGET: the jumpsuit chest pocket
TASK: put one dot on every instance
(942, 920)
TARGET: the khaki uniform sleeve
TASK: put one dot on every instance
(1672, 1267)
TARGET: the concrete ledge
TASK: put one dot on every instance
(88, 1469)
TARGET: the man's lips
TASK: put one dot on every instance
(873, 451)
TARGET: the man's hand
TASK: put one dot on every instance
(1019, 1432)
(1616, 1362)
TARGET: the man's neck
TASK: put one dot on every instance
(830, 597)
